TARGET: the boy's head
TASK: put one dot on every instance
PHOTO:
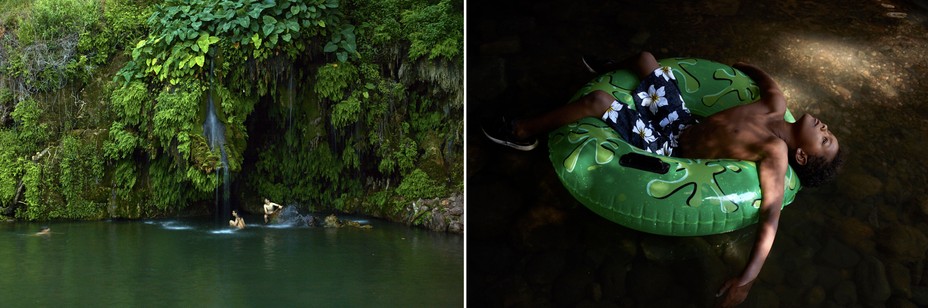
(818, 170)
(817, 157)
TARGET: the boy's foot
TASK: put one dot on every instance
(597, 65)
(499, 130)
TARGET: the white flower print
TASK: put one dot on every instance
(666, 149)
(643, 131)
(672, 117)
(613, 112)
(666, 72)
(653, 99)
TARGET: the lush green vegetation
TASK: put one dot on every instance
(351, 105)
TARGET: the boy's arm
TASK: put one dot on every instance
(769, 89)
(771, 171)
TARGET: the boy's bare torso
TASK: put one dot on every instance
(741, 132)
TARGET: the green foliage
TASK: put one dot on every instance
(379, 125)
(346, 112)
(332, 80)
(406, 152)
(130, 103)
(311, 174)
(11, 167)
(121, 26)
(67, 182)
(174, 120)
(183, 32)
(54, 19)
(32, 131)
(124, 179)
(167, 183)
(342, 99)
(80, 176)
(343, 43)
(121, 142)
(35, 207)
(418, 185)
(436, 30)
(42, 55)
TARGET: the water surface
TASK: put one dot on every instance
(192, 262)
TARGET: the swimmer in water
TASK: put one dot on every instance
(237, 221)
(45, 231)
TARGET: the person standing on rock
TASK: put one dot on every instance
(754, 132)
(271, 210)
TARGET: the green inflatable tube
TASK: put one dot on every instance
(659, 194)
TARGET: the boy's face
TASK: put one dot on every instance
(815, 139)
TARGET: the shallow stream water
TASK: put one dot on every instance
(197, 263)
(860, 66)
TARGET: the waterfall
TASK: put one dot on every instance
(215, 131)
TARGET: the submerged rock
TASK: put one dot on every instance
(899, 279)
(871, 278)
(838, 255)
(904, 243)
(845, 294)
(332, 221)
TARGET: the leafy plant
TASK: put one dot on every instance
(11, 167)
(418, 185)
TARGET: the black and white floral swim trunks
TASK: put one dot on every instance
(660, 114)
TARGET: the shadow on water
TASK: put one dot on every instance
(859, 66)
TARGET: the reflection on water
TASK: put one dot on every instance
(184, 262)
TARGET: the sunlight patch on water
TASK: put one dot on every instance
(170, 225)
(173, 225)
(276, 226)
(223, 231)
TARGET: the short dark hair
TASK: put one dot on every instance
(817, 170)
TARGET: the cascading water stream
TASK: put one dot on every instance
(214, 131)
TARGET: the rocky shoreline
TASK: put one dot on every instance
(438, 214)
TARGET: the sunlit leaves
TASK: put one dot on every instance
(435, 31)
(262, 28)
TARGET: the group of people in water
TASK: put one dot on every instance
(271, 210)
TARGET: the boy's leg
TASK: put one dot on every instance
(645, 64)
(594, 104)
(520, 134)
(642, 64)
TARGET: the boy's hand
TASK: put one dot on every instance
(731, 294)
